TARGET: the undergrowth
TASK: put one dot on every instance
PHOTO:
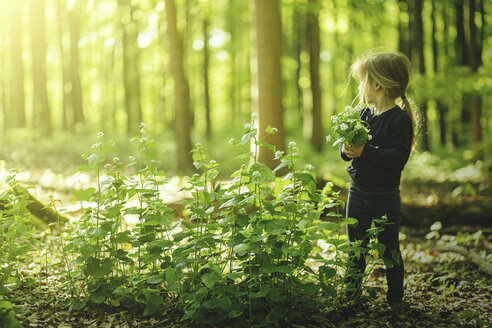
(256, 249)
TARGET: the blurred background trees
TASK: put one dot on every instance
(201, 67)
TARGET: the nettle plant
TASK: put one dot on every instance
(252, 250)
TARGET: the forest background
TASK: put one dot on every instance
(73, 68)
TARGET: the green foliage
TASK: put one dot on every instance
(250, 252)
(15, 245)
(348, 128)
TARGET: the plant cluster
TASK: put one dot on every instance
(251, 251)
(15, 243)
(348, 128)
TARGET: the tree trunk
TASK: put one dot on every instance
(206, 90)
(298, 46)
(314, 59)
(460, 44)
(17, 97)
(441, 108)
(77, 104)
(181, 91)
(474, 57)
(131, 74)
(403, 37)
(67, 85)
(420, 63)
(41, 107)
(268, 36)
(411, 27)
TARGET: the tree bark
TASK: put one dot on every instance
(181, 91)
(41, 107)
(268, 36)
(76, 96)
(441, 108)
(67, 85)
(474, 58)
(206, 61)
(314, 59)
(17, 94)
(420, 63)
(131, 74)
(403, 32)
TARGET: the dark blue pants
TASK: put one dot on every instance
(365, 206)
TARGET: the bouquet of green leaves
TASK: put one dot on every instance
(348, 128)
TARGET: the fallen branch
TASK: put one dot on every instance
(44, 213)
(482, 263)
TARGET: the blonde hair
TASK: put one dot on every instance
(392, 71)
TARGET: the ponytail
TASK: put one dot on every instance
(407, 108)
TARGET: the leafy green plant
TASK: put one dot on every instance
(247, 253)
(15, 243)
(348, 128)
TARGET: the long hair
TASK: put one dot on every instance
(392, 71)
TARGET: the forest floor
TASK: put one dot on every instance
(442, 289)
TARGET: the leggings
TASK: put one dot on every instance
(366, 205)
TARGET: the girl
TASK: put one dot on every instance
(376, 166)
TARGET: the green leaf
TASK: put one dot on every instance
(84, 195)
(95, 159)
(76, 305)
(153, 296)
(172, 275)
(275, 227)
(350, 221)
(270, 130)
(154, 279)
(248, 136)
(242, 249)
(309, 289)
(98, 297)
(210, 278)
(5, 305)
(242, 220)
(266, 145)
(330, 226)
(380, 248)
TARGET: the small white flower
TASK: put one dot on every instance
(343, 127)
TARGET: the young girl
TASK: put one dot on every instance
(376, 166)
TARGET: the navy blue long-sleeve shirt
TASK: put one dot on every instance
(385, 155)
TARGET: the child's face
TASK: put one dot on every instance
(367, 91)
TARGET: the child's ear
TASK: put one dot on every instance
(377, 86)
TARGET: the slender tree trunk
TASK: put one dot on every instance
(253, 61)
(268, 35)
(17, 97)
(420, 63)
(67, 85)
(181, 91)
(233, 50)
(131, 74)
(206, 61)
(474, 57)
(314, 59)
(298, 45)
(411, 27)
(77, 104)
(441, 108)
(41, 107)
(403, 37)
(333, 62)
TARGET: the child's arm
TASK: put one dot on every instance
(397, 155)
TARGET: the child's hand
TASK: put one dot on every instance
(352, 151)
